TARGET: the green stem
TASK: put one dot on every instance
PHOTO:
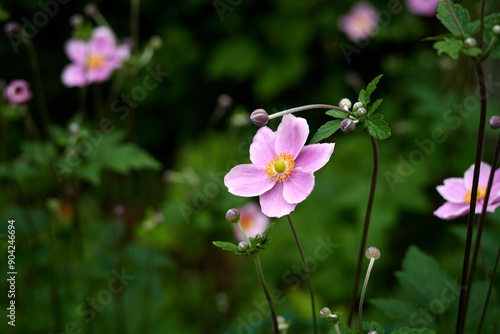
(266, 292)
(481, 15)
(488, 50)
(448, 4)
(306, 271)
(366, 225)
(363, 292)
(490, 288)
(308, 107)
(462, 306)
(244, 234)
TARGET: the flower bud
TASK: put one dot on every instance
(13, 28)
(260, 235)
(76, 20)
(494, 122)
(224, 101)
(470, 42)
(357, 105)
(347, 125)
(372, 332)
(280, 319)
(156, 42)
(259, 117)
(233, 216)
(372, 253)
(361, 111)
(242, 246)
(345, 104)
(90, 9)
(73, 128)
(496, 29)
(325, 312)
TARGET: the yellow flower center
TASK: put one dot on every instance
(246, 221)
(95, 62)
(481, 192)
(280, 167)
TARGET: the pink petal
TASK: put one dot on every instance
(99, 75)
(103, 41)
(248, 180)
(258, 222)
(313, 157)
(495, 193)
(262, 148)
(73, 76)
(77, 51)
(123, 52)
(484, 174)
(273, 204)
(453, 190)
(298, 186)
(291, 135)
(449, 210)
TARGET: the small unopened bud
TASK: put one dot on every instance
(156, 42)
(372, 332)
(470, 42)
(76, 20)
(73, 128)
(259, 117)
(13, 28)
(361, 111)
(90, 9)
(347, 125)
(325, 312)
(345, 104)
(224, 101)
(357, 105)
(496, 29)
(372, 253)
(280, 319)
(260, 235)
(494, 122)
(233, 216)
(242, 246)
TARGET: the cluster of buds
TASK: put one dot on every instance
(358, 109)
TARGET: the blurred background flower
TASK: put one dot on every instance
(252, 220)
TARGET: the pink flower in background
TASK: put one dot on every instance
(360, 23)
(281, 172)
(457, 193)
(95, 60)
(17, 92)
(422, 7)
(252, 220)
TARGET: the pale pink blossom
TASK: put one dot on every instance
(282, 168)
(17, 92)
(422, 7)
(252, 220)
(360, 23)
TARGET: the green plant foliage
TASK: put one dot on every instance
(326, 130)
(377, 127)
(364, 95)
(489, 22)
(450, 46)
(463, 18)
(408, 330)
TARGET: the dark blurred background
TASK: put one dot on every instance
(74, 238)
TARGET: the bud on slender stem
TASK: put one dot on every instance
(373, 254)
(494, 122)
(233, 216)
(347, 125)
(345, 104)
(259, 117)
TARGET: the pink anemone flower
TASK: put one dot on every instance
(360, 23)
(17, 92)
(95, 60)
(422, 7)
(282, 168)
(252, 220)
(457, 193)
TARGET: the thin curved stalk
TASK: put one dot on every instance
(490, 288)
(266, 292)
(306, 271)
(462, 306)
(366, 225)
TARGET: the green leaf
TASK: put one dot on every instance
(374, 107)
(377, 127)
(408, 330)
(463, 18)
(423, 278)
(489, 22)
(336, 113)
(450, 46)
(228, 246)
(436, 38)
(372, 85)
(326, 130)
(473, 52)
(363, 97)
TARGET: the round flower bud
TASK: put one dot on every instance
(325, 312)
(74, 128)
(260, 235)
(345, 103)
(280, 319)
(13, 28)
(76, 20)
(470, 42)
(496, 29)
(372, 253)
(259, 117)
(347, 125)
(156, 42)
(90, 9)
(225, 101)
(361, 111)
(372, 332)
(233, 216)
(494, 122)
(357, 105)
(242, 246)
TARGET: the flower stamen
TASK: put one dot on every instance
(95, 62)
(481, 193)
(280, 167)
